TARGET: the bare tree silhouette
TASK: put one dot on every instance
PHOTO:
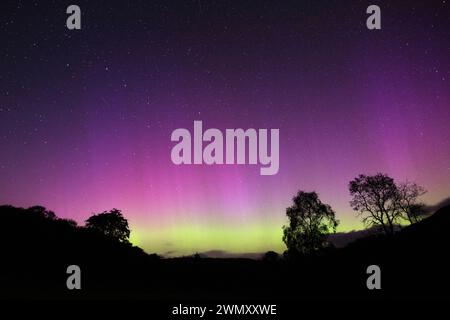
(407, 201)
(383, 203)
(374, 197)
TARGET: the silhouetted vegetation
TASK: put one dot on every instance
(407, 201)
(271, 256)
(384, 204)
(111, 224)
(310, 223)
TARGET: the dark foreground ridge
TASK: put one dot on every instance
(37, 249)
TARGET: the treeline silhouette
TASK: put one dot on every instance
(36, 247)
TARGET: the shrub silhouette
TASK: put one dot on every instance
(271, 256)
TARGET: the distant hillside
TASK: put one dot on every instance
(36, 249)
(342, 239)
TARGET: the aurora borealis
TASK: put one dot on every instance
(86, 115)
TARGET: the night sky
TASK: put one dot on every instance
(86, 115)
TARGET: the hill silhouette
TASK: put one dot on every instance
(36, 249)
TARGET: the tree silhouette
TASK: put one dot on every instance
(42, 211)
(310, 223)
(374, 197)
(110, 223)
(381, 202)
(407, 194)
